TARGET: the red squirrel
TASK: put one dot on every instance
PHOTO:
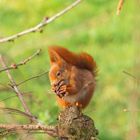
(72, 76)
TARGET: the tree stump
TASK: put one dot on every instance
(74, 125)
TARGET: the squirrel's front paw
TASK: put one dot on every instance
(60, 90)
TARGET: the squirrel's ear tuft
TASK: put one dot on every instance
(54, 56)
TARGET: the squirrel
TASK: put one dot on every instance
(72, 76)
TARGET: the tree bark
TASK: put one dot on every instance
(74, 125)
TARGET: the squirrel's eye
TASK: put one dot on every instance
(58, 73)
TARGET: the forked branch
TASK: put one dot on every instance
(16, 89)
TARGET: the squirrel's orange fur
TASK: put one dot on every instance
(82, 60)
(72, 76)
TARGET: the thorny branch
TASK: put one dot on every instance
(17, 91)
(15, 66)
(41, 25)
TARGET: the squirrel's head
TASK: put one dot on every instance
(60, 71)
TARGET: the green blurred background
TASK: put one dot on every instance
(92, 27)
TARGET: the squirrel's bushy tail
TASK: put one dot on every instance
(82, 60)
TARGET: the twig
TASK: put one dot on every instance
(8, 98)
(16, 111)
(51, 130)
(34, 77)
(11, 96)
(4, 89)
(4, 85)
(15, 66)
(41, 25)
(119, 7)
(17, 91)
(130, 75)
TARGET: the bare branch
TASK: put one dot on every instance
(72, 123)
(12, 96)
(41, 25)
(4, 89)
(15, 66)
(15, 88)
(31, 78)
(119, 7)
(130, 74)
(50, 130)
(16, 111)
